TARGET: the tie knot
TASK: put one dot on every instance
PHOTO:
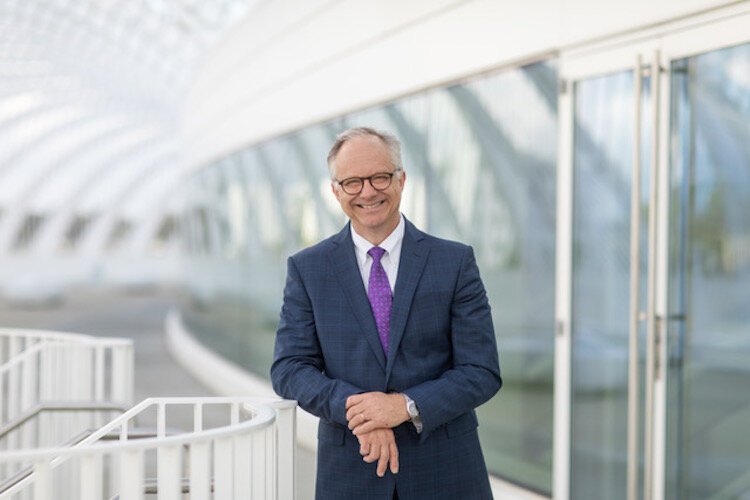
(376, 253)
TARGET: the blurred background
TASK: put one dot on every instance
(161, 155)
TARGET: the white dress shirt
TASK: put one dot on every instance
(390, 259)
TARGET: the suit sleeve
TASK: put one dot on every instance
(297, 370)
(475, 375)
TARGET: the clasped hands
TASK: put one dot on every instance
(371, 417)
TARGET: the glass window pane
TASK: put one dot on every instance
(601, 268)
(494, 188)
(709, 446)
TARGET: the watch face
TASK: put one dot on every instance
(412, 409)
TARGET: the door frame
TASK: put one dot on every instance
(656, 48)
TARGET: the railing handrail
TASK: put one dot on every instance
(25, 356)
(61, 342)
(50, 335)
(247, 458)
(58, 406)
(264, 417)
(22, 355)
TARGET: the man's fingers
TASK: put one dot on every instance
(350, 414)
(355, 418)
(355, 421)
(354, 412)
(366, 427)
(353, 400)
(383, 461)
(373, 454)
(364, 449)
(380, 446)
(394, 457)
(358, 421)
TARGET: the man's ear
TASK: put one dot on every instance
(334, 190)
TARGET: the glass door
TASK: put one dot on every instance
(611, 213)
(602, 183)
(708, 453)
(653, 294)
(608, 280)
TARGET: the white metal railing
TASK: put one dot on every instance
(251, 457)
(54, 385)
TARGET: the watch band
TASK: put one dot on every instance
(413, 412)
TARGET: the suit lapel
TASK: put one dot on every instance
(411, 264)
(344, 263)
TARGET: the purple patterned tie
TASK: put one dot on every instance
(379, 293)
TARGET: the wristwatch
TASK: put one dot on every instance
(411, 408)
(413, 411)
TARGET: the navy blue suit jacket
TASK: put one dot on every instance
(442, 354)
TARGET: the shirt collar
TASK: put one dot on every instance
(387, 244)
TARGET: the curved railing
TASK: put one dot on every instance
(251, 457)
(53, 385)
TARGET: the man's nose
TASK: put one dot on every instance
(367, 189)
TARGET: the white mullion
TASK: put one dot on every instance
(661, 298)
(633, 426)
(563, 297)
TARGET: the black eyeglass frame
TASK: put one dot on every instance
(368, 179)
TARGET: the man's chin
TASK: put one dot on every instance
(371, 219)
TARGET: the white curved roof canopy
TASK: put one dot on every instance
(90, 92)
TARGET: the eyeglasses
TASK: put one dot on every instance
(379, 182)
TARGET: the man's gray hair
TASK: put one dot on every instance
(390, 140)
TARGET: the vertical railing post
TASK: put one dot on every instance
(99, 373)
(272, 460)
(131, 475)
(200, 471)
(122, 374)
(43, 480)
(45, 369)
(13, 401)
(88, 353)
(29, 396)
(286, 445)
(161, 420)
(91, 473)
(223, 468)
(116, 377)
(99, 377)
(245, 477)
(28, 381)
(169, 472)
(130, 373)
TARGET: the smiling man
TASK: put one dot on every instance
(386, 335)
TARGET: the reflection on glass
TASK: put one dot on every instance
(496, 191)
(480, 164)
(709, 410)
(601, 269)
